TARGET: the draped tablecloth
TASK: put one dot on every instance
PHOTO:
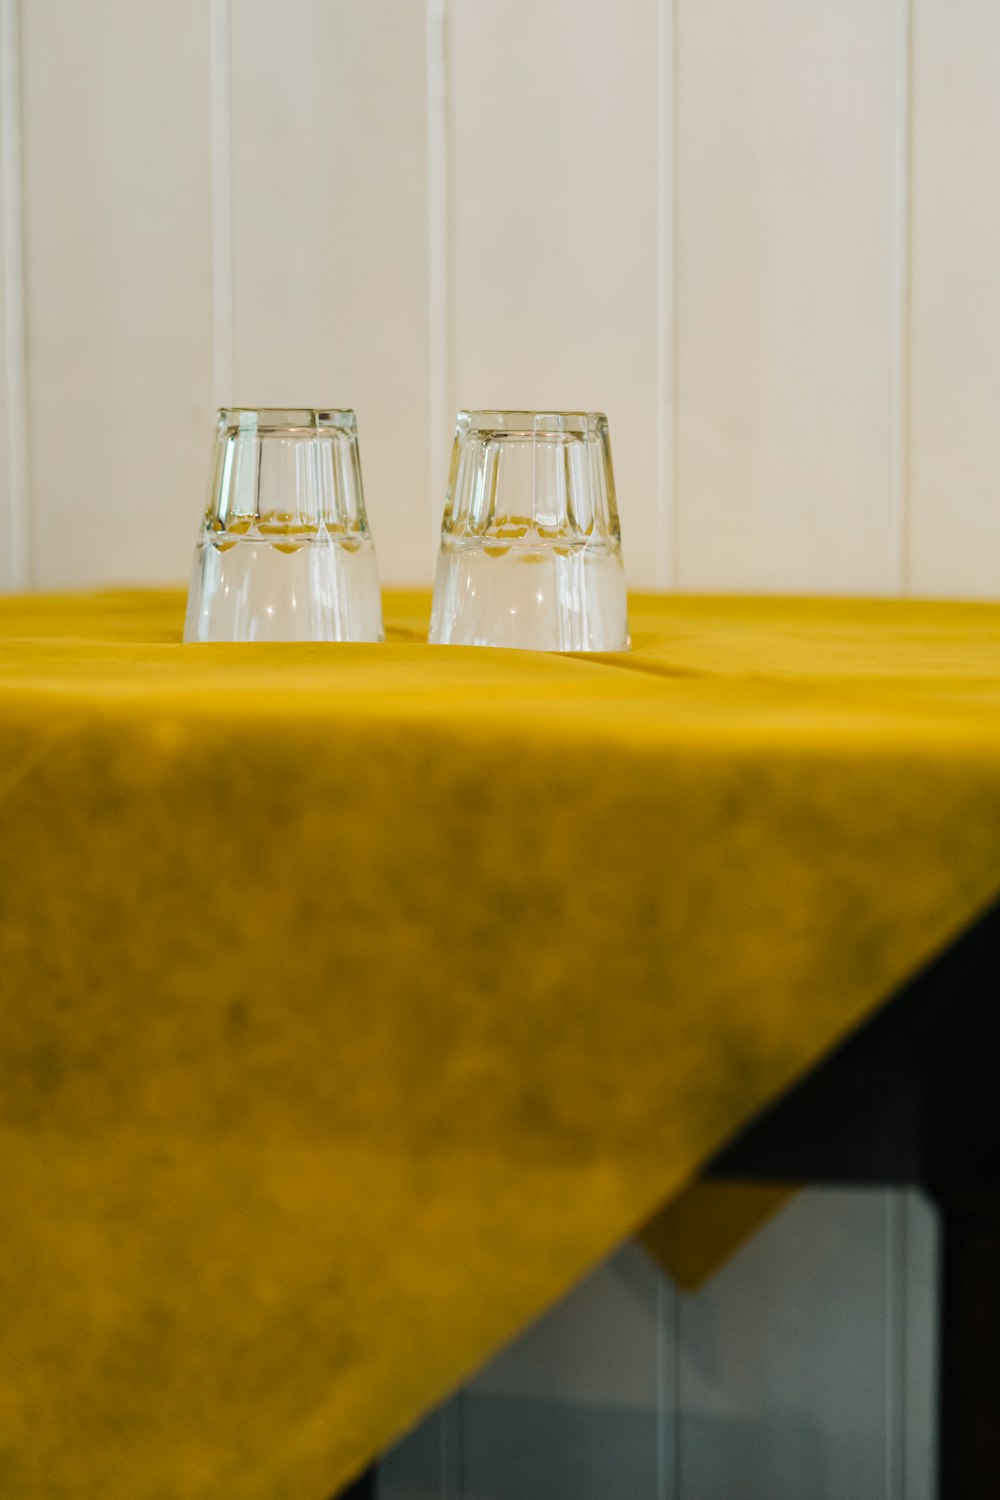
(355, 1000)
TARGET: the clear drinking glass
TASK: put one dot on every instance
(285, 553)
(530, 543)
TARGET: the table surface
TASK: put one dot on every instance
(357, 999)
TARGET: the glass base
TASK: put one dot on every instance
(565, 598)
(252, 589)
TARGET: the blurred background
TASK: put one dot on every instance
(764, 237)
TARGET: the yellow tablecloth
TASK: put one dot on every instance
(356, 1000)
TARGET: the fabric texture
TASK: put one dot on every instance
(355, 1000)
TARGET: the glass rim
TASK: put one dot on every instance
(287, 418)
(529, 423)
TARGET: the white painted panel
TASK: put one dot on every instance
(596, 1347)
(416, 1468)
(784, 264)
(118, 273)
(570, 1411)
(14, 548)
(330, 238)
(896, 1331)
(783, 1359)
(920, 1354)
(7, 64)
(807, 1366)
(552, 119)
(955, 307)
(580, 1407)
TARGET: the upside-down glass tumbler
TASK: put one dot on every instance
(530, 544)
(285, 553)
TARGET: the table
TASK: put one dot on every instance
(356, 1000)
(909, 1099)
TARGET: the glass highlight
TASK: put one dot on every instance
(285, 553)
(531, 542)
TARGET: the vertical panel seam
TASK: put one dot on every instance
(677, 1393)
(444, 1455)
(20, 571)
(666, 519)
(930, 1473)
(661, 1392)
(900, 445)
(451, 1451)
(895, 1342)
(667, 1385)
(223, 351)
(438, 322)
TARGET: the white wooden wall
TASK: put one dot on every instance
(804, 1370)
(763, 236)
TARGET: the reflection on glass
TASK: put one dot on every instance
(285, 553)
(530, 544)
